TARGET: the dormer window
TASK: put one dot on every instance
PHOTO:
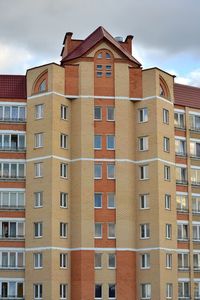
(42, 86)
(108, 56)
(99, 55)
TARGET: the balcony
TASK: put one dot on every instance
(195, 128)
(12, 120)
(184, 298)
(195, 156)
(12, 149)
(12, 237)
(10, 267)
(181, 153)
(11, 298)
(181, 182)
(182, 210)
(12, 178)
(196, 240)
(195, 183)
(12, 207)
(183, 239)
(183, 268)
(196, 269)
(196, 212)
(180, 126)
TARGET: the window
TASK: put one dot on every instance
(110, 113)
(13, 113)
(194, 122)
(166, 173)
(168, 260)
(99, 67)
(12, 229)
(98, 113)
(145, 291)
(145, 261)
(108, 67)
(111, 261)
(183, 261)
(98, 231)
(196, 232)
(168, 231)
(63, 230)
(168, 201)
(63, 200)
(144, 201)
(99, 55)
(38, 260)
(38, 229)
(110, 141)
(64, 112)
(98, 291)
(42, 86)
(195, 176)
(144, 172)
(195, 148)
(166, 145)
(144, 231)
(180, 147)
(39, 111)
(12, 142)
(38, 197)
(63, 170)
(196, 261)
(63, 260)
(183, 232)
(99, 74)
(143, 143)
(108, 56)
(179, 119)
(111, 291)
(110, 171)
(182, 202)
(169, 290)
(183, 289)
(108, 74)
(143, 115)
(97, 142)
(196, 290)
(196, 204)
(38, 169)
(97, 171)
(111, 201)
(38, 291)
(63, 291)
(111, 231)
(98, 260)
(181, 175)
(165, 116)
(64, 141)
(98, 200)
(12, 199)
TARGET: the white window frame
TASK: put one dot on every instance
(169, 290)
(63, 291)
(114, 200)
(144, 172)
(111, 255)
(167, 173)
(63, 260)
(38, 169)
(63, 200)
(145, 261)
(143, 115)
(111, 227)
(107, 142)
(147, 290)
(63, 230)
(165, 116)
(63, 141)
(39, 230)
(168, 231)
(169, 260)
(110, 165)
(143, 143)
(166, 144)
(95, 230)
(38, 260)
(38, 289)
(167, 201)
(64, 170)
(146, 230)
(98, 257)
(38, 199)
(107, 113)
(95, 194)
(100, 118)
(64, 112)
(39, 140)
(144, 201)
(39, 111)
(96, 136)
(100, 166)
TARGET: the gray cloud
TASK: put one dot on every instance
(164, 28)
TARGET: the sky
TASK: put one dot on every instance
(166, 32)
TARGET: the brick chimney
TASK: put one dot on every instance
(128, 42)
(67, 44)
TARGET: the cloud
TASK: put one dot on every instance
(192, 78)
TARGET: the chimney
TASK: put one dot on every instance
(67, 44)
(128, 41)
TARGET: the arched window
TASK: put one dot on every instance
(99, 55)
(164, 90)
(42, 86)
(41, 83)
(108, 56)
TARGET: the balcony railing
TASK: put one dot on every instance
(181, 153)
(195, 183)
(181, 239)
(11, 267)
(11, 298)
(196, 212)
(195, 156)
(12, 237)
(12, 207)
(184, 298)
(181, 182)
(196, 240)
(13, 120)
(183, 268)
(182, 210)
(12, 149)
(12, 178)
(194, 128)
(179, 126)
(196, 268)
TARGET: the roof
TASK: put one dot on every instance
(99, 34)
(186, 95)
(13, 86)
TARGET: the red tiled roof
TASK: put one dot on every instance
(186, 95)
(13, 86)
(95, 37)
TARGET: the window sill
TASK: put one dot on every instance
(97, 238)
(111, 238)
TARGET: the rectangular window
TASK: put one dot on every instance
(38, 197)
(111, 261)
(98, 231)
(143, 143)
(144, 231)
(183, 261)
(145, 291)
(195, 176)
(38, 260)
(63, 260)
(38, 291)
(145, 261)
(182, 203)
(183, 290)
(64, 112)
(168, 231)
(111, 291)
(196, 204)
(183, 233)
(63, 200)
(181, 175)
(196, 261)
(63, 170)
(168, 260)
(167, 175)
(63, 230)
(110, 113)
(110, 171)
(39, 111)
(194, 122)
(196, 232)
(111, 231)
(39, 140)
(38, 229)
(169, 290)
(63, 291)
(180, 147)
(38, 169)
(98, 291)
(97, 113)
(98, 261)
(97, 142)
(98, 200)
(168, 201)
(97, 171)
(166, 144)
(143, 115)
(179, 120)
(165, 116)
(63, 141)
(144, 201)
(110, 142)
(111, 201)
(144, 172)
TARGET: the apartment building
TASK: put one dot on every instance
(99, 178)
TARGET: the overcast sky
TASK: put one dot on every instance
(166, 32)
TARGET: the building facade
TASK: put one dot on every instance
(99, 178)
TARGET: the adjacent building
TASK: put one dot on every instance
(99, 178)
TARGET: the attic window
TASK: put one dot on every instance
(108, 56)
(42, 86)
(99, 55)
